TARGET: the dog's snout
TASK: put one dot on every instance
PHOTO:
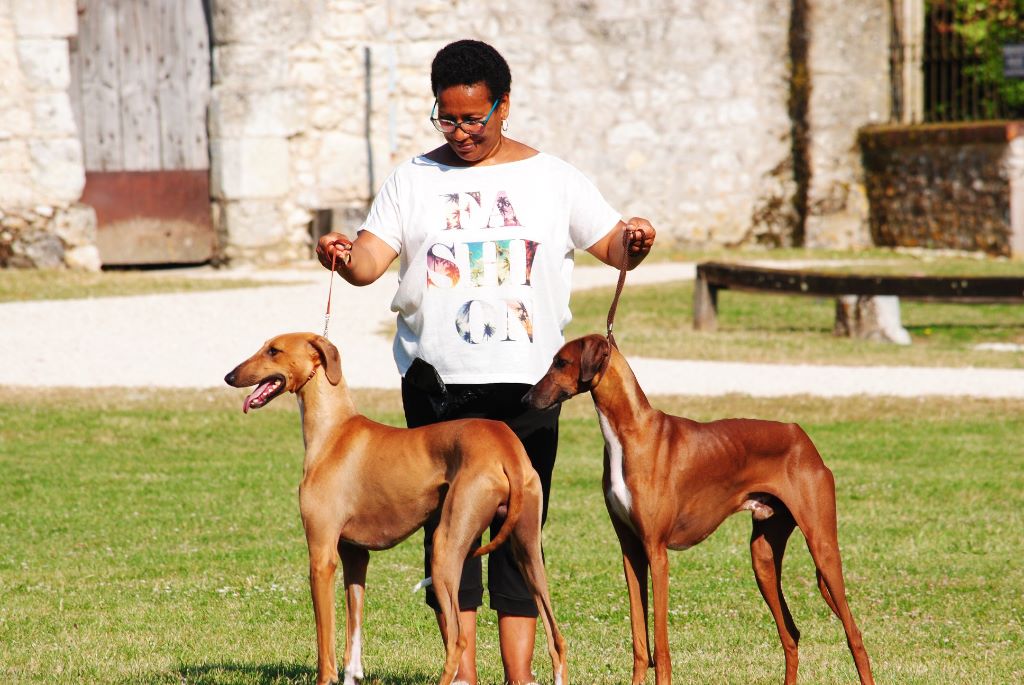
(539, 398)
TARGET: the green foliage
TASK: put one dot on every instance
(985, 26)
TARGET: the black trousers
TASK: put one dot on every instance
(538, 431)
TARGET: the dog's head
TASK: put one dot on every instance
(576, 368)
(286, 362)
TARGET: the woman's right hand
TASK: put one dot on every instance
(334, 247)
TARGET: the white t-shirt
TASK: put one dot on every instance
(486, 257)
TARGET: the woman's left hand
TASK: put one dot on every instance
(642, 239)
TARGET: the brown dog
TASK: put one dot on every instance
(366, 486)
(669, 482)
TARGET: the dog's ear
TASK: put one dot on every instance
(593, 357)
(329, 358)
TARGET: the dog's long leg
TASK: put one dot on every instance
(635, 566)
(526, 548)
(466, 512)
(767, 547)
(657, 555)
(323, 561)
(819, 527)
(445, 569)
(354, 561)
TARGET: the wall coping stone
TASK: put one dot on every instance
(965, 133)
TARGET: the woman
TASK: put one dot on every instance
(485, 228)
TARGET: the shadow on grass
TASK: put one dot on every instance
(283, 674)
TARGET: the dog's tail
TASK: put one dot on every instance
(513, 466)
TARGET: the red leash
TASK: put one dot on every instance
(630, 236)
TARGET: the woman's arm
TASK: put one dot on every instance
(609, 248)
(360, 261)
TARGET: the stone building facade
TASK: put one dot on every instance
(724, 123)
(680, 110)
(41, 170)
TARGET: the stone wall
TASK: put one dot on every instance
(848, 70)
(679, 110)
(947, 186)
(41, 169)
(693, 114)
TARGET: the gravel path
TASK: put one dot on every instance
(191, 340)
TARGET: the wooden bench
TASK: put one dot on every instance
(715, 276)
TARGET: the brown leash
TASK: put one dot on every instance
(629, 236)
(330, 289)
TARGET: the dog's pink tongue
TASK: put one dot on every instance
(255, 394)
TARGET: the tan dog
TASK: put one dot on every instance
(367, 486)
(669, 482)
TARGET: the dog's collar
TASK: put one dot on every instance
(308, 379)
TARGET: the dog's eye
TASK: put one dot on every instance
(272, 351)
(559, 363)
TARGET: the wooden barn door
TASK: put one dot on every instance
(140, 89)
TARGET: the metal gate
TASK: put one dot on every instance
(931, 69)
(140, 86)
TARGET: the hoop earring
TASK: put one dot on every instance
(504, 125)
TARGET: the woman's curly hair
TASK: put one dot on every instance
(466, 62)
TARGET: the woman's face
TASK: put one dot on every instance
(473, 102)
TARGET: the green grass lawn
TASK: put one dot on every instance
(154, 537)
(19, 285)
(657, 321)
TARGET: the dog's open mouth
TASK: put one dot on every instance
(268, 389)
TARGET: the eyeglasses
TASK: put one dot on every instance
(469, 126)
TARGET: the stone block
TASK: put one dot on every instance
(84, 258)
(14, 157)
(45, 63)
(58, 169)
(344, 74)
(39, 249)
(251, 224)
(342, 163)
(837, 230)
(45, 18)
(52, 114)
(16, 189)
(337, 24)
(257, 22)
(249, 66)
(870, 318)
(312, 73)
(249, 168)
(15, 117)
(76, 225)
(256, 114)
